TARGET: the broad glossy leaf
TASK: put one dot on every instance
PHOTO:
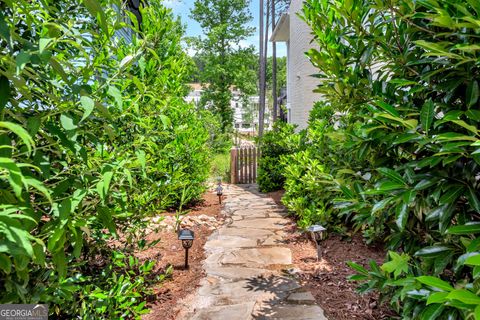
(453, 136)
(432, 312)
(451, 195)
(435, 282)
(125, 61)
(426, 183)
(473, 260)
(87, 104)
(473, 199)
(117, 95)
(401, 216)
(426, 115)
(465, 125)
(433, 251)
(380, 205)
(67, 122)
(464, 296)
(392, 174)
(43, 43)
(407, 137)
(15, 176)
(437, 213)
(473, 114)
(470, 228)
(437, 297)
(472, 93)
(20, 132)
(21, 60)
(388, 108)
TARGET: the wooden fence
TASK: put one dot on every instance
(243, 164)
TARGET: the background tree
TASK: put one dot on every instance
(224, 24)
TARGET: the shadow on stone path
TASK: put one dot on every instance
(243, 266)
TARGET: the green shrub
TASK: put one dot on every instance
(94, 137)
(398, 135)
(282, 140)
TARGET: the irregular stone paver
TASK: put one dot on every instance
(243, 259)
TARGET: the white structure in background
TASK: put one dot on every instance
(245, 115)
(195, 94)
(300, 83)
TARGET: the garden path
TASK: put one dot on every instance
(244, 259)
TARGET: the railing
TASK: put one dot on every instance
(243, 164)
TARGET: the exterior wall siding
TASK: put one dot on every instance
(301, 84)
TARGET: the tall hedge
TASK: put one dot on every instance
(393, 150)
(94, 137)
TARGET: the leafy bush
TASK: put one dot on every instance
(94, 136)
(281, 141)
(399, 139)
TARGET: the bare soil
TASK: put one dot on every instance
(327, 279)
(182, 281)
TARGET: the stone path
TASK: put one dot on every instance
(243, 266)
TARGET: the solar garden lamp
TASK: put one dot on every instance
(219, 189)
(317, 232)
(187, 236)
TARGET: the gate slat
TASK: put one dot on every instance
(249, 164)
(254, 165)
(240, 180)
(245, 166)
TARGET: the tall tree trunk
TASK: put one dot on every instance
(261, 109)
(274, 67)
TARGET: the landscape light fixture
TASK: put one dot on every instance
(219, 189)
(317, 232)
(187, 236)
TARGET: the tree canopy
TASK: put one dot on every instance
(224, 24)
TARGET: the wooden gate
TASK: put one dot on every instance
(243, 164)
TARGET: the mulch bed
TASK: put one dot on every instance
(181, 282)
(327, 279)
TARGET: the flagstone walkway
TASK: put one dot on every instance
(244, 264)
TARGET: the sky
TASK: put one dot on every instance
(182, 9)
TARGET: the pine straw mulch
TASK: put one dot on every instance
(181, 282)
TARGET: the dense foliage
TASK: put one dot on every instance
(392, 150)
(94, 137)
(224, 62)
(275, 144)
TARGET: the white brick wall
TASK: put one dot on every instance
(300, 83)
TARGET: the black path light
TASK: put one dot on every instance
(187, 236)
(317, 233)
(219, 189)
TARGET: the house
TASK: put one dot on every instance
(134, 6)
(245, 110)
(300, 82)
(245, 113)
(195, 94)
